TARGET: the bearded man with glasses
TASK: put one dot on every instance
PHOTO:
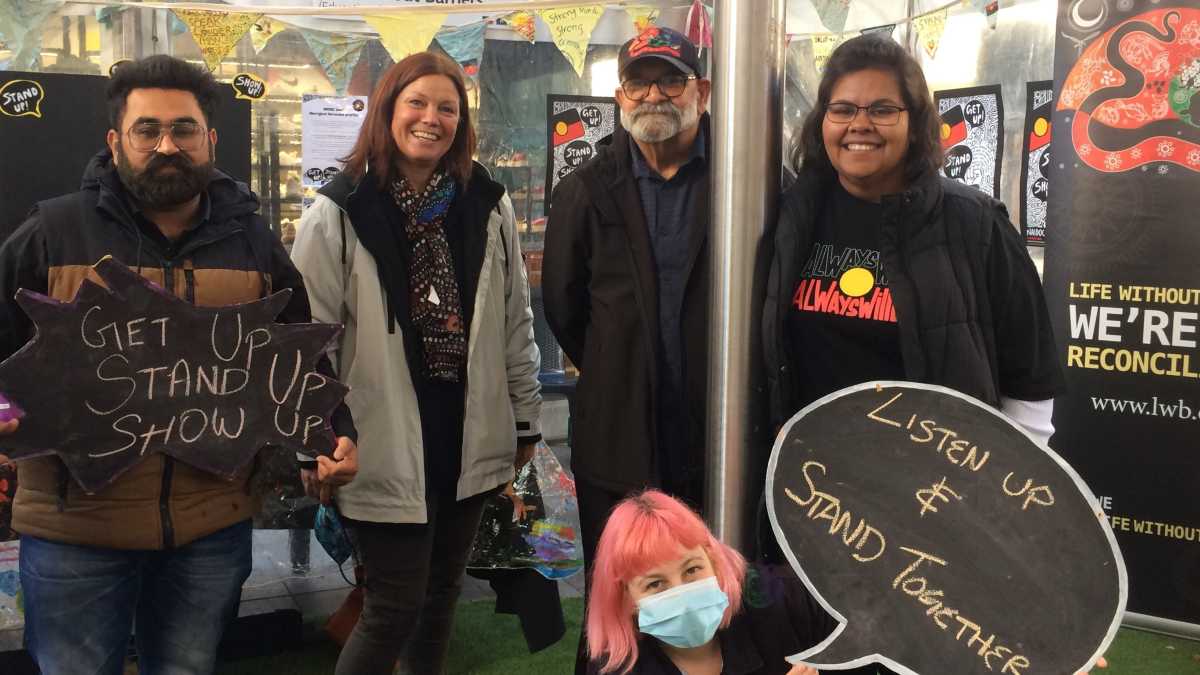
(625, 284)
(166, 547)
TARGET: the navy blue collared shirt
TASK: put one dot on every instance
(668, 206)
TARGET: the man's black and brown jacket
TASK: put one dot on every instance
(230, 256)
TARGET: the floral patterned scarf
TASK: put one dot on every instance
(435, 306)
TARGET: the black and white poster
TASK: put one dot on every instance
(1035, 162)
(972, 129)
(574, 124)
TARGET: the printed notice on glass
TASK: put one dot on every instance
(329, 128)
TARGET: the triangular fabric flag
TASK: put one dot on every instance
(104, 15)
(21, 31)
(991, 9)
(215, 33)
(337, 54)
(407, 35)
(887, 30)
(464, 44)
(832, 13)
(571, 28)
(823, 45)
(522, 22)
(643, 16)
(262, 32)
(699, 25)
(176, 25)
(929, 29)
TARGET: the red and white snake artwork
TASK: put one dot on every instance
(1135, 91)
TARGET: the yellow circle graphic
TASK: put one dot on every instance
(1041, 126)
(560, 128)
(856, 281)
(945, 131)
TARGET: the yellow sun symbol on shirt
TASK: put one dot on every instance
(856, 281)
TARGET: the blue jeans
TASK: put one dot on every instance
(80, 603)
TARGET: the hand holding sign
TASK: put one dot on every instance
(133, 370)
(941, 537)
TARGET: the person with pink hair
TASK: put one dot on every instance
(667, 598)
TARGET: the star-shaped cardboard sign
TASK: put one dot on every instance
(130, 370)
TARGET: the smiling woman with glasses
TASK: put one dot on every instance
(840, 112)
(885, 270)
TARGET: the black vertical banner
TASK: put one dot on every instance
(1122, 282)
(1035, 161)
(972, 129)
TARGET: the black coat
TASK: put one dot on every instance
(969, 303)
(600, 288)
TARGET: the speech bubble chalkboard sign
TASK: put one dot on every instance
(249, 86)
(941, 537)
(120, 373)
(21, 97)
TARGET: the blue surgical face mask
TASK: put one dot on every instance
(684, 616)
(332, 534)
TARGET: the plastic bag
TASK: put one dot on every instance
(533, 526)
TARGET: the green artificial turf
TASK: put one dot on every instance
(486, 643)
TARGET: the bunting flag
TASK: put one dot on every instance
(571, 28)
(833, 13)
(216, 33)
(337, 54)
(522, 22)
(823, 45)
(21, 31)
(991, 9)
(699, 25)
(407, 35)
(643, 16)
(929, 29)
(262, 32)
(888, 30)
(465, 45)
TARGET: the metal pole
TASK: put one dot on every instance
(747, 104)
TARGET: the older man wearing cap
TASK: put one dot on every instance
(625, 283)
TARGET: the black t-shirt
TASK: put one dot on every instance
(841, 327)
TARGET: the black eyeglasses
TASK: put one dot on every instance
(670, 86)
(146, 136)
(879, 113)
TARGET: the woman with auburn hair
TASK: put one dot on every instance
(667, 598)
(413, 247)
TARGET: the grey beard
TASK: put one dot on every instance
(155, 190)
(646, 126)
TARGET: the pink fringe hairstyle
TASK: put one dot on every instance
(644, 531)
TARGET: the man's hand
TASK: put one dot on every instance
(5, 429)
(308, 477)
(524, 454)
(803, 670)
(1100, 663)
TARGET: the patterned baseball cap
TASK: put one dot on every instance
(660, 43)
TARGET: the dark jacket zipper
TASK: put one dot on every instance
(164, 499)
